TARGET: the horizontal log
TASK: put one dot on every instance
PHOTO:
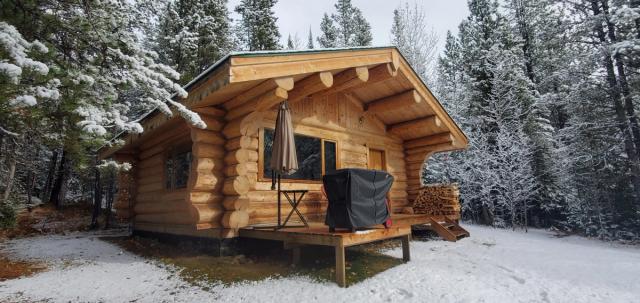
(396, 102)
(150, 187)
(203, 150)
(241, 156)
(242, 142)
(205, 197)
(158, 207)
(154, 161)
(310, 85)
(270, 99)
(429, 149)
(236, 186)
(242, 126)
(150, 152)
(429, 140)
(241, 169)
(271, 196)
(235, 219)
(209, 213)
(236, 203)
(347, 79)
(213, 123)
(285, 83)
(353, 147)
(210, 181)
(210, 111)
(416, 124)
(207, 164)
(149, 180)
(207, 136)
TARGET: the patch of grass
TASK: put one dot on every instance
(12, 269)
(260, 260)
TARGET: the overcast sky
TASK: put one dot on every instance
(296, 16)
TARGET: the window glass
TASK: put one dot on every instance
(308, 151)
(329, 157)
(177, 169)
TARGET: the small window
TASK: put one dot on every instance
(177, 169)
(315, 156)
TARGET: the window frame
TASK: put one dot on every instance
(261, 162)
(172, 152)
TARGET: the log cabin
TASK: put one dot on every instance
(357, 107)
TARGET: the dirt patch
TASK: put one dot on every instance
(260, 260)
(12, 269)
(46, 219)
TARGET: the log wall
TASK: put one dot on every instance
(331, 117)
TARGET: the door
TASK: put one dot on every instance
(376, 159)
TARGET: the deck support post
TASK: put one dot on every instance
(295, 255)
(406, 253)
(340, 266)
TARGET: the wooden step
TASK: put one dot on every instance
(449, 230)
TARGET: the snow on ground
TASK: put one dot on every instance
(491, 266)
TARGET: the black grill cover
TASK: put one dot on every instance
(357, 197)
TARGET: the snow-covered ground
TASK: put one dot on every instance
(491, 266)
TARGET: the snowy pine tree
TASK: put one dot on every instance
(190, 45)
(258, 29)
(310, 40)
(346, 27)
(413, 37)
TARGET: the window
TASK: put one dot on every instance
(177, 168)
(315, 156)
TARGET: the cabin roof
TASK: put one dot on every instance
(241, 75)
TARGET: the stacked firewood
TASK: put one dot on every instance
(438, 199)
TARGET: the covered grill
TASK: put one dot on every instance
(357, 198)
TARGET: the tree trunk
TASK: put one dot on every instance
(621, 118)
(59, 188)
(97, 199)
(110, 195)
(45, 195)
(10, 180)
(622, 78)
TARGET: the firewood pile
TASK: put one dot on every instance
(438, 199)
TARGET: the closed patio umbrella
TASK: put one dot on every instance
(283, 153)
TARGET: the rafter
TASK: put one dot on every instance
(285, 83)
(395, 102)
(311, 85)
(430, 140)
(260, 103)
(347, 79)
(403, 127)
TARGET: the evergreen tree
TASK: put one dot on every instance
(345, 28)
(310, 40)
(258, 29)
(411, 34)
(190, 45)
(290, 42)
(329, 34)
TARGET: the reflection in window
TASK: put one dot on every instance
(329, 157)
(177, 169)
(309, 153)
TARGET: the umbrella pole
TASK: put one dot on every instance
(279, 201)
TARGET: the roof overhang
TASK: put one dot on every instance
(242, 76)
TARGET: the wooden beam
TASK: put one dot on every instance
(428, 122)
(429, 140)
(285, 83)
(311, 85)
(347, 79)
(395, 102)
(271, 98)
(430, 148)
(210, 111)
(381, 73)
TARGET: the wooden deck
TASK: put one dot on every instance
(318, 234)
